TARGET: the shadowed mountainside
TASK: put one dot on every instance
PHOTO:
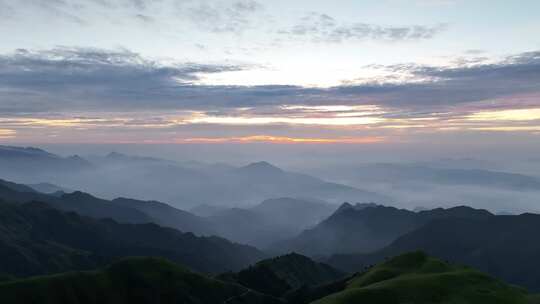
(122, 209)
(365, 228)
(503, 246)
(37, 239)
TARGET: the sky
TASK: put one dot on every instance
(387, 73)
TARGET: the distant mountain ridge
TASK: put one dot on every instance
(183, 185)
(270, 221)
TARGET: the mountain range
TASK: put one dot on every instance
(179, 184)
(262, 225)
(38, 239)
(271, 221)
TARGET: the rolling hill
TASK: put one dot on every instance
(282, 274)
(133, 281)
(502, 246)
(420, 279)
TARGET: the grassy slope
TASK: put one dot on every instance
(132, 280)
(279, 275)
(417, 278)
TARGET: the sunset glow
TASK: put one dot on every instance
(283, 140)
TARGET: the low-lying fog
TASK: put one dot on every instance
(221, 175)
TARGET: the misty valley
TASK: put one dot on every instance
(269, 152)
(85, 229)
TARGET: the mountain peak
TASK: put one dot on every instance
(24, 151)
(79, 195)
(262, 166)
(115, 155)
(344, 206)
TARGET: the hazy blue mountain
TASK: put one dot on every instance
(79, 202)
(423, 173)
(207, 210)
(166, 215)
(34, 165)
(183, 185)
(38, 239)
(503, 246)
(294, 213)
(121, 209)
(365, 228)
(270, 221)
(49, 188)
(270, 182)
(244, 226)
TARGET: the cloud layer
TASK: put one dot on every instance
(324, 28)
(83, 88)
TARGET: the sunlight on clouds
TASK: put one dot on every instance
(7, 133)
(517, 115)
(281, 140)
(509, 128)
(84, 122)
(261, 120)
(368, 109)
(50, 122)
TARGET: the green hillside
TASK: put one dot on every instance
(131, 280)
(419, 279)
(282, 274)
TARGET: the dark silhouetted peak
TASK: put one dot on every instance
(79, 195)
(16, 187)
(458, 211)
(116, 155)
(344, 206)
(79, 161)
(261, 167)
(76, 158)
(12, 151)
(120, 157)
(358, 206)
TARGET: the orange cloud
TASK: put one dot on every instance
(7, 133)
